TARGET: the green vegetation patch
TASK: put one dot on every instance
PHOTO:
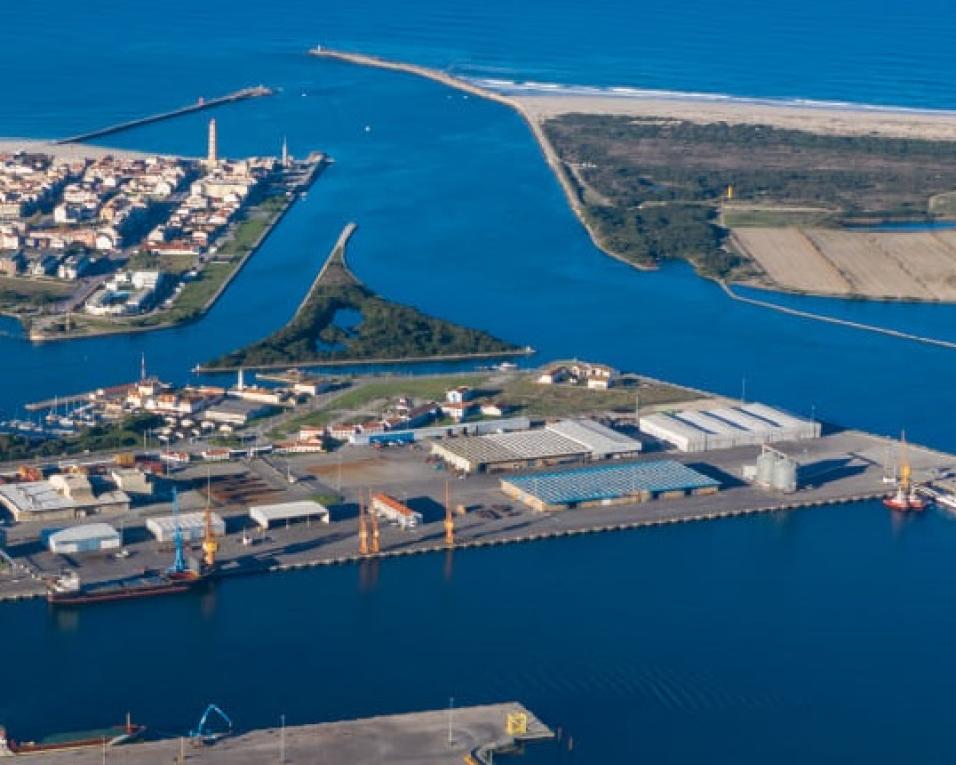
(665, 179)
(536, 400)
(168, 263)
(364, 395)
(18, 294)
(386, 330)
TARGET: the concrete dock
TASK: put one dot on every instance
(477, 733)
(842, 467)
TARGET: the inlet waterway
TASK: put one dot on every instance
(819, 635)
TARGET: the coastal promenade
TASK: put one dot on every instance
(467, 734)
(200, 105)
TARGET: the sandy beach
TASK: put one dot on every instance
(67, 151)
(833, 119)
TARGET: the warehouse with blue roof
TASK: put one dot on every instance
(608, 484)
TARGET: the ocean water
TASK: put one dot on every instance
(810, 636)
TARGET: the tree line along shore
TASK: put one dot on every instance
(772, 195)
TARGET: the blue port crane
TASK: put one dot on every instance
(204, 734)
(179, 562)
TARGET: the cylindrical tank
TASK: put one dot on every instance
(765, 465)
(785, 475)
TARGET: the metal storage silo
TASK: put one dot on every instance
(765, 467)
(785, 475)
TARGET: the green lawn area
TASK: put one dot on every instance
(428, 388)
(363, 394)
(732, 217)
(522, 392)
(171, 264)
(250, 229)
(537, 400)
(18, 294)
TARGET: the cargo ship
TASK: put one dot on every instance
(67, 590)
(100, 737)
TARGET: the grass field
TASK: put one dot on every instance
(537, 400)
(363, 395)
(520, 391)
(777, 217)
(171, 264)
(18, 294)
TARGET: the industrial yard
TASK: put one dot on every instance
(396, 469)
(840, 466)
(469, 734)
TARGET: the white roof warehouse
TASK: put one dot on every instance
(564, 441)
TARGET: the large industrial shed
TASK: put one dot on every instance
(561, 442)
(602, 485)
(306, 509)
(192, 526)
(90, 537)
(727, 427)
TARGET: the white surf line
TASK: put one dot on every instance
(841, 322)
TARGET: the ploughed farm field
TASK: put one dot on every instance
(917, 265)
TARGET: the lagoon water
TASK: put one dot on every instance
(819, 635)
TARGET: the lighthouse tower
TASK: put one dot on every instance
(212, 153)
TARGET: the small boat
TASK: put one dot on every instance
(904, 502)
(905, 499)
(99, 737)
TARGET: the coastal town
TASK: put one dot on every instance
(88, 244)
(355, 490)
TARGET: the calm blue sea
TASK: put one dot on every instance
(820, 636)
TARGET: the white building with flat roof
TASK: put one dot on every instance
(191, 525)
(267, 515)
(89, 537)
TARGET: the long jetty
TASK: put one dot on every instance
(336, 257)
(200, 105)
(899, 334)
(550, 155)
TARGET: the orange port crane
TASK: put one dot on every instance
(363, 530)
(210, 545)
(375, 545)
(449, 520)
